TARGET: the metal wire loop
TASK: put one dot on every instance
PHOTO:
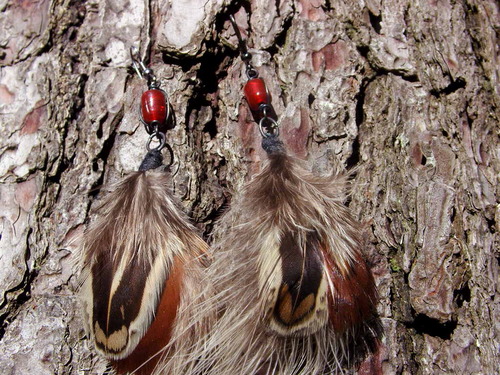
(170, 154)
(264, 109)
(160, 137)
(245, 55)
(268, 127)
(251, 72)
(152, 128)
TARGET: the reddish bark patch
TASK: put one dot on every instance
(250, 135)
(332, 56)
(26, 193)
(246, 127)
(6, 96)
(296, 138)
(34, 119)
(26, 4)
(311, 9)
(373, 364)
(416, 155)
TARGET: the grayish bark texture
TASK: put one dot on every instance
(405, 91)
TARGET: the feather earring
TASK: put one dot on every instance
(293, 292)
(141, 258)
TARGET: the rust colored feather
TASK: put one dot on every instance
(142, 262)
(148, 352)
(293, 293)
(354, 295)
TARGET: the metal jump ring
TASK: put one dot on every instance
(264, 130)
(161, 139)
(251, 72)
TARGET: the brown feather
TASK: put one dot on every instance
(286, 262)
(148, 352)
(354, 295)
(135, 254)
(302, 273)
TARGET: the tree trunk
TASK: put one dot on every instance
(406, 92)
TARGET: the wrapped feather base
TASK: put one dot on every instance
(293, 293)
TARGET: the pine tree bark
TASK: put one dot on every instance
(406, 92)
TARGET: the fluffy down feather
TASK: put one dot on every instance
(293, 293)
(142, 262)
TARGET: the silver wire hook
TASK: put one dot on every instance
(241, 43)
(137, 63)
(242, 46)
(269, 129)
(140, 68)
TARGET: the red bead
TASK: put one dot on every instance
(154, 106)
(256, 93)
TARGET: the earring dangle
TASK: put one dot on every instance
(141, 256)
(296, 294)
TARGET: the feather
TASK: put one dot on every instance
(140, 256)
(293, 293)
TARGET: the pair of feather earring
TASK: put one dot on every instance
(286, 290)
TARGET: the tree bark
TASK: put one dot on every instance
(406, 92)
